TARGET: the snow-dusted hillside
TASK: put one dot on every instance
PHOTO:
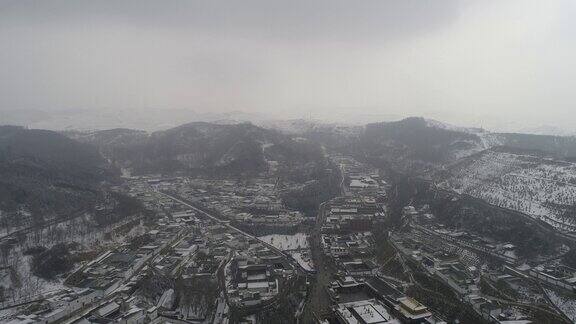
(540, 187)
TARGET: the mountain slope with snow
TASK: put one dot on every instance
(540, 187)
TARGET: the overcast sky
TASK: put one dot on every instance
(470, 61)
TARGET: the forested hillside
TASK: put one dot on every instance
(204, 148)
(43, 173)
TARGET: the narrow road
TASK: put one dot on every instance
(318, 300)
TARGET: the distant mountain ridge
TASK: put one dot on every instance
(49, 172)
(410, 145)
(108, 118)
(200, 147)
(415, 138)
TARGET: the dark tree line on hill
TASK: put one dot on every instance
(123, 206)
(49, 263)
(325, 186)
(563, 147)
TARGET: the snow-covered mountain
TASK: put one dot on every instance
(538, 186)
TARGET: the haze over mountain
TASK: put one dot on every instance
(202, 147)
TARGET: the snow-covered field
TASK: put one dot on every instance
(297, 246)
(297, 241)
(304, 260)
(539, 187)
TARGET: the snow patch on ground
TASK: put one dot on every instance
(282, 242)
(304, 260)
(297, 245)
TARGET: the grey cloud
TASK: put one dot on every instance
(402, 57)
(320, 20)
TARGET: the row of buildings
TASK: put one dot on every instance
(360, 294)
